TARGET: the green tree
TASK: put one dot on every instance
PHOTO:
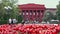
(47, 16)
(9, 9)
(55, 17)
(2, 11)
(58, 11)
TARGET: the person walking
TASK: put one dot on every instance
(14, 21)
(10, 21)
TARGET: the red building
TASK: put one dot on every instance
(33, 12)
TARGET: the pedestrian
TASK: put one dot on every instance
(10, 21)
(14, 21)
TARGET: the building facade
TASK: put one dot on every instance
(52, 10)
(32, 12)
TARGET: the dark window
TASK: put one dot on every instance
(26, 10)
(35, 12)
(42, 11)
(23, 10)
(30, 10)
(38, 10)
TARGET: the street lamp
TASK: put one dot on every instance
(8, 13)
(8, 9)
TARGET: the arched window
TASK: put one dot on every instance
(26, 12)
(30, 12)
(34, 12)
(38, 12)
(23, 12)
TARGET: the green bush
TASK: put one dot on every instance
(20, 18)
(3, 22)
(5, 19)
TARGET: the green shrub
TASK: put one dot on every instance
(3, 22)
(20, 18)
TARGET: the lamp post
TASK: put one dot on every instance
(8, 9)
(8, 13)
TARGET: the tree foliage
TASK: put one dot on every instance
(48, 16)
(8, 12)
(8, 9)
(58, 11)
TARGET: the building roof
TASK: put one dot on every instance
(32, 6)
(51, 8)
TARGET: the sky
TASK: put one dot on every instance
(47, 3)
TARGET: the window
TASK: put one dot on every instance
(26, 10)
(47, 13)
(30, 12)
(41, 13)
(38, 12)
(34, 13)
(23, 12)
(27, 13)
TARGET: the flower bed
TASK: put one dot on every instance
(30, 29)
